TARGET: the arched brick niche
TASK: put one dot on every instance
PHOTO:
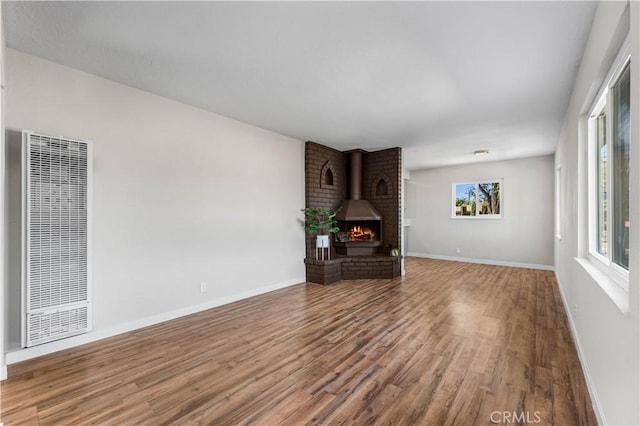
(381, 187)
(328, 176)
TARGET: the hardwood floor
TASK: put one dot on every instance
(450, 343)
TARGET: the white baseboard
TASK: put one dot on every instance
(3, 372)
(595, 401)
(483, 261)
(24, 354)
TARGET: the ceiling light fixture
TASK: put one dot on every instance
(480, 153)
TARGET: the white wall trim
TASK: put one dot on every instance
(24, 354)
(3, 197)
(595, 401)
(483, 261)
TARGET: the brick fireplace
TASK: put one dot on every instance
(367, 187)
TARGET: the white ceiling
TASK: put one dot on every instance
(440, 79)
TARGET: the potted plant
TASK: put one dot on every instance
(395, 252)
(321, 222)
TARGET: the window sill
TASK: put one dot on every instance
(482, 217)
(616, 293)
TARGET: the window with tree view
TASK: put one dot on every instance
(477, 199)
(609, 130)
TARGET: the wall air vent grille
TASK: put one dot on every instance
(47, 326)
(57, 173)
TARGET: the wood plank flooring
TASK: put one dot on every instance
(449, 344)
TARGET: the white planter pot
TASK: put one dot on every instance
(322, 241)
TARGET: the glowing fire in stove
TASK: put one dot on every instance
(359, 233)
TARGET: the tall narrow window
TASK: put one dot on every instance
(621, 96)
(609, 128)
(602, 170)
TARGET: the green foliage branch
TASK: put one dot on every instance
(320, 220)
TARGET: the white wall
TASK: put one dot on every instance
(181, 195)
(3, 367)
(523, 236)
(607, 338)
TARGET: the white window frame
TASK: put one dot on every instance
(558, 200)
(614, 272)
(476, 183)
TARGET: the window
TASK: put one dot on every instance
(477, 200)
(609, 129)
(558, 200)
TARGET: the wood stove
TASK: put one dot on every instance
(358, 237)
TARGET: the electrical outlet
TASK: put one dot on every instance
(458, 250)
(203, 287)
